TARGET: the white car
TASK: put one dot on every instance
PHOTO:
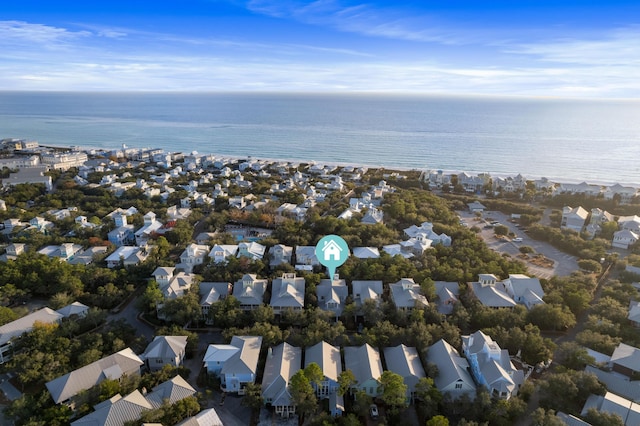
(517, 240)
(373, 410)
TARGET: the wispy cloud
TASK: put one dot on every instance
(20, 33)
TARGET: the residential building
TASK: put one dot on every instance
(573, 218)
(306, 255)
(366, 252)
(365, 364)
(634, 313)
(283, 362)
(249, 291)
(113, 367)
(17, 328)
(123, 234)
(425, 231)
(625, 360)
(150, 227)
(235, 364)
(328, 359)
(126, 256)
(624, 239)
(220, 252)
(406, 294)
(287, 293)
(208, 417)
(210, 293)
(405, 361)
(453, 370)
(76, 309)
(192, 256)
(491, 366)
(611, 403)
(252, 250)
(280, 254)
(524, 290)
(165, 350)
(630, 223)
(332, 295)
(491, 292)
(65, 252)
(366, 290)
(447, 293)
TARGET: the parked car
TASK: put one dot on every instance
(373, 410)
(517, 240)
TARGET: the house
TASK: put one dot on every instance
(76, 309)
(123, 233)
(280, 254)
(235, 364)
(64, 251)
(611, 403)
(366, 252)
(119, 410)
(328, 359)
(405, 361)
(113, 367)
(630, 223)
(634, 313)
(425, 232)
(207, 417)
(491, 366)
(573, 218)
(126, 256)
(150, 227)
(406, 294)
(598, 217)
(88, 256)
(17, 328)
(397, 249)
(366, 290)
(332, 295)
(447, 293)
(252, 250)
(524, 290)
(624, 239)
(194, 254)
(12, 251)
(164, 350)
(366, 366)
(249, 291)
(476, 207)
(626, 194)
(220, 252)
(453, 370)
(283, 362)
(210, 293)
(306, 255)
(491, 292)
(287, 293)
(203, 238)
(625, 360)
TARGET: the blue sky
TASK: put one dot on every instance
(517, 47)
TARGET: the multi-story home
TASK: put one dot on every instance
(249, 290)
(573, 218)
(282, 363)
(287, 293)
(165, 350)
(491, 366)
(365, 364)
(405, 361)
(453, 370)
(236, 364)
(406, 294)
(332, 295)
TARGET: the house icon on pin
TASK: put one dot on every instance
(331, 251)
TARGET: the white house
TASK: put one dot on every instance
(220, 252)
(126, 255)
(194, 254)
(491, 292)
(287, 293)
(453, 370)
(365, 364)
(332, 295)
(447, 293)
(406, 294)
(17, 328)
(330, 362)
(366, 290)
(624, 239)
(211, 293)
(405, 361)
(573, 218)
(165, 350)
(306, 255)
(283, 362)
(236, 364)
(249, 290)
(252, 250)
(524, 290)
(491, 366)
(280, 254)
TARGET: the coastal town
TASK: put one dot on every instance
(140, 286)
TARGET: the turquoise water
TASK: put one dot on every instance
(566, 140)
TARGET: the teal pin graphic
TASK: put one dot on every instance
(332, 251)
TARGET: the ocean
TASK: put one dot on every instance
(566, 140)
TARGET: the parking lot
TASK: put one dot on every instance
(563, 264)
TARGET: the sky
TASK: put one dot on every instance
(513, 47)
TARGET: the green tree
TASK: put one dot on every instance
(253, 396)
(438, 420)
(346, 380)
(394, 391)
(183, 310)
(548, 316)
(150, 298)
(302, 395)
(7, 315)
(590, 265)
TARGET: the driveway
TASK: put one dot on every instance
(563, 264)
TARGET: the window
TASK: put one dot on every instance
(458, 385)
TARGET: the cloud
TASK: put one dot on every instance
(20, 33)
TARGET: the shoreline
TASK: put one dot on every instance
(560, 181)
